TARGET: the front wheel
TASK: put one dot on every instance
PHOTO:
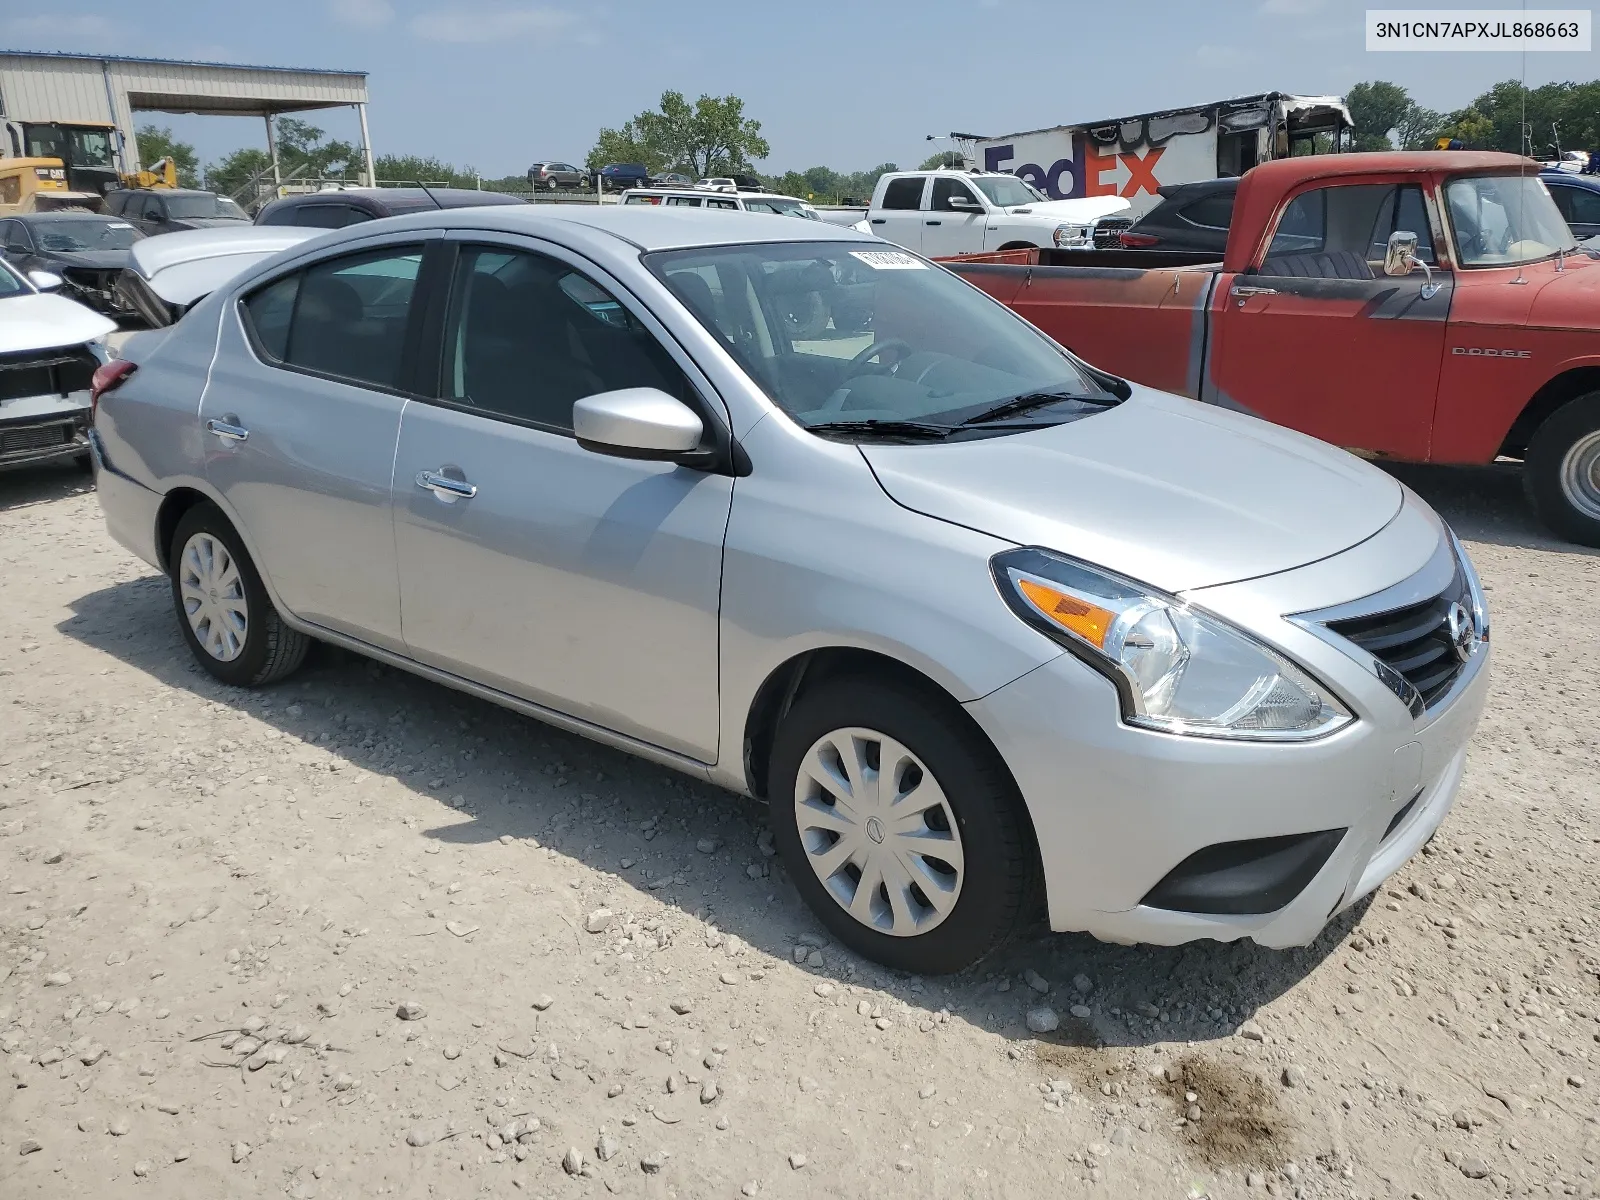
(223, 609)
(1561, 471)
(899, 825)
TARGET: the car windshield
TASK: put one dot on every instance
(1006, 190)
(186, 208)
(76, 235)
(848, 333)
(1502, 220)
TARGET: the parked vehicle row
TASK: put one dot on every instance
(614, 177)
(976, 616)
(1429, 307)
(352, 206)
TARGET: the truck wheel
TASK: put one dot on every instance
(1561, 470)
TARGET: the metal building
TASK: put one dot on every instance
(103, 89)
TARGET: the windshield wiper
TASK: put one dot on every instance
(911, 429)
(1027, 402)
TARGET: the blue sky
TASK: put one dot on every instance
(500, 83)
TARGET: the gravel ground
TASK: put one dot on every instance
(359, 935)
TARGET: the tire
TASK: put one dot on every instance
(1561, 470)
(84, 463)
(246, 643)
(984, 893)
(553, 185)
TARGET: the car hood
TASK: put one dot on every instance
(41, 321)
(1568, 298)
(1080, 211)
(98, 260)
(1165, 490)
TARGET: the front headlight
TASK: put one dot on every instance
(1177, 669)
(1480, 606)
(1071, 235)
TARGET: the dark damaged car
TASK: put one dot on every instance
(87, 250)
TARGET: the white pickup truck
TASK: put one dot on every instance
(939, 213)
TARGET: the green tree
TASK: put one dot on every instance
(412, 168)
(231, 175)
(1376, 109)
(712, 136)
(156, 144)
(1568, 113)
(302, 152)
(943, 160)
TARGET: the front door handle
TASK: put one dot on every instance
(880, 220)
(445, 488)
(1242, 290)
(933, 222)
(227, 428)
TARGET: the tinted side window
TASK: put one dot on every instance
(350, 315)
(1211, 212)
(945, 190)
(268, 311)
(733, 204)
(903, 193)
(528, 336)
(1300, 230)
(116, 202)
(1584, 205)
(329, 216)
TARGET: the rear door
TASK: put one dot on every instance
(300, 419)
(901, 217)
(584, 583)
(1580, 206)
(949, 230)
(1317, 338)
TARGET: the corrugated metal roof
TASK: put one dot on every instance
(173, 62)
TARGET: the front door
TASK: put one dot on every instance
(299, 424)
(583, 583)
(1317, 338)
(949, 230)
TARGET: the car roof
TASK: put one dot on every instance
(646, 226)
(1591, 182)
(1198, 187)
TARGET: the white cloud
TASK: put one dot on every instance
(363, 14)
(55, 27)
(468, 25)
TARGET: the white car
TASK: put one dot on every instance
(50, 348)
(943, 213)
(719, 196)
(167, 275)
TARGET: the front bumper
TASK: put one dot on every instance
(35, 430)
(1116, 808)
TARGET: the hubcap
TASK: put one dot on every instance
(213, 597)
(878, 832)
(1580, 476)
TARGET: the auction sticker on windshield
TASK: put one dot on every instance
(889, 260)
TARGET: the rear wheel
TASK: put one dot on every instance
(223, 609)
(1561, 471)
(899, 825)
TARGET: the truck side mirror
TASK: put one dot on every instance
(1401, 256)
(965, 204)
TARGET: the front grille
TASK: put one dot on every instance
(36, 437)
(1108, 232)
(46, 372)
(1414, 641)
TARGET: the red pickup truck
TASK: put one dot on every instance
(1430, 307)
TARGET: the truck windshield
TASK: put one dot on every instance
(1004, 191)
(1503, 220)
(847, 334)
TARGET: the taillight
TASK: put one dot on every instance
(1138, 241)
(108, 378)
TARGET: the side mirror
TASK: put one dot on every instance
(965, 204)
(1401, 255)
(45, 281)
(641, 423)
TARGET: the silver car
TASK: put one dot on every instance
(982, 623)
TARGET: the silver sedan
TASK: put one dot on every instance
(983, 624)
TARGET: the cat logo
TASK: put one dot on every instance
(1489, 352)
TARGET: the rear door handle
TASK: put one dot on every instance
(880, 220)
(933, 222)
(1242, 290)
(227, 428)
(445, 488)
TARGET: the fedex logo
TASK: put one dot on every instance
(1084, 173)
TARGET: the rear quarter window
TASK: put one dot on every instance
(267, 314)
